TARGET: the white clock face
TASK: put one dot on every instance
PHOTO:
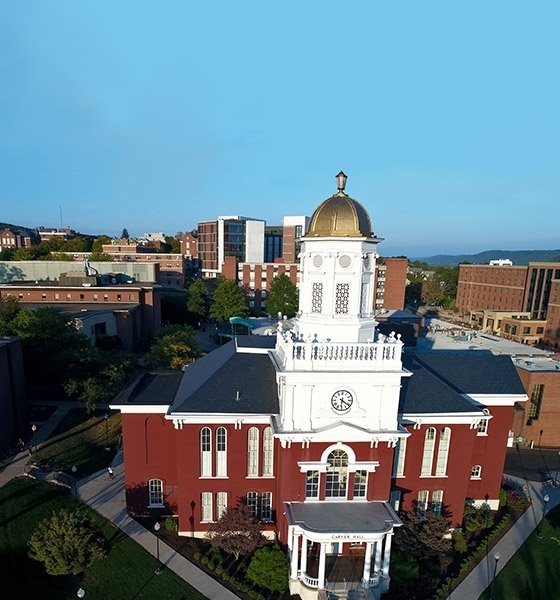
(341, 401)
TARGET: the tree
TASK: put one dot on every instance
(67, 543)
(197, 302)
(283, 297)
(174, 347)
(124, 234)
(9, 309)
(228, 301)
(269, 569)
(236, 531)
(97, 246)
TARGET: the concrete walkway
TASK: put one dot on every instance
(106, 496)
(480, 578)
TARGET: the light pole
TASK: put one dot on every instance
(497, 557)
(33, 429)
(74, 470)
(106, 417)
(157, 527)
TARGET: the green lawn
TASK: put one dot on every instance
(127, 572)
(80, 440)
(534, 571)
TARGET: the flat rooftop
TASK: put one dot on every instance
(443, 340)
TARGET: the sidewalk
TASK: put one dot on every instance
(106, 496)
(481, 576)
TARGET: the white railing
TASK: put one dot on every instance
(382, 355)
(312, 582)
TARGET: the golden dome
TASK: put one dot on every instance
(340, 216)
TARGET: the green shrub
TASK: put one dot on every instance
(503, 498)
(269, 569)
(170, 524)
(219, 570)
(211, 566)
(225, 576)
(197, 555)
(459, 542)
(204, 560)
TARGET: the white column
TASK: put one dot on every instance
(367, 564)
(295, 549)
(378, 555)
(303, 567)
(387, 554)
(322, 561)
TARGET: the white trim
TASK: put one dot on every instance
(465, 418)
(216, 419)
(497, 399)
(369, 466)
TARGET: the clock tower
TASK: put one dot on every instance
(338, 379)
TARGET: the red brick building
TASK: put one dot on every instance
(325, 430)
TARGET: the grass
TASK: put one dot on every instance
(533, 573)
(127, 572)
(80, 440)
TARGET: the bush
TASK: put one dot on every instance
(459, 542)
(503, 498)
(197, 555)
(204, 560)
(225, 576)
(269, 569)
(170, 524)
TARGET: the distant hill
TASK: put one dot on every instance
(17, 229)
(517, 257)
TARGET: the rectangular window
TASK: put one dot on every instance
(253, 503)
(312, 484)
(398, 460)
(82, 297)
(266, 507)
(482, 428)
(206, 506)
(395, 499)
(476, 472)
(437, 501)
(221, 503)
(422, 506)
(360, 484)
(155, 489)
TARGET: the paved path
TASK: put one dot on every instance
(479, 579)
(106, 496)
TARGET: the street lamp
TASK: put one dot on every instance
(81, 593)
(33, 429)
(497, 557)
(106, 417)
(74, 470)
(157, 527)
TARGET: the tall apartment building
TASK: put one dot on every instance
(507, 288)
(552, 327)
(294, 229)
(390, 284)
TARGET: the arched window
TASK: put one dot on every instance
(428, 456)
(268, 452)
(253, 452)
(443, 451)
(337, 474)
(398, 460)
(155, 492)
(221, 452)
(205, 452)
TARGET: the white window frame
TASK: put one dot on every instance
(221, 452)
(399, 458)
(221, 503)
(253, 452)
(443, 452)
(155, 492)
(361, 488)
(482, 428)
(268, 452)
(341, 473)
(476, 472)
(428, 453)
(206, 507)
(206, 452)
(312, 484)
(266, 507)
(437, 502)
(422, 505)
(253, 503)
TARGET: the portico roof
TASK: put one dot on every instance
(339, 518)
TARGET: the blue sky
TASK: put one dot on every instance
(156, 115)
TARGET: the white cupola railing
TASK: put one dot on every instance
(311, 355)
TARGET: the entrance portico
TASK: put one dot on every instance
(330, 525)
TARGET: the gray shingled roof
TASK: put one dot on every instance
(212, 383)
(440, 379)
(256, 341)
(342, 517)
(150, 388)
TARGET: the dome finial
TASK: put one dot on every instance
(341, 181)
